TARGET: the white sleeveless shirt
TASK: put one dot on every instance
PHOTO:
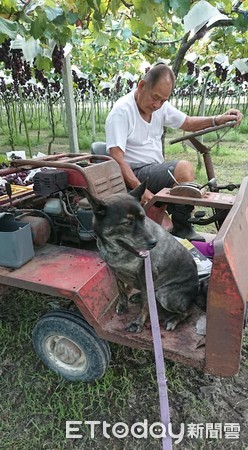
(139, 140)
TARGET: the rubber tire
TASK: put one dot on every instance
(78, 318)
(70, 325)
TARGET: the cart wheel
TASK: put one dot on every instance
(69, 346)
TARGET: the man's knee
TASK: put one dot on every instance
(184, 171)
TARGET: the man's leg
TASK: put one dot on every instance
(180, 214)
(184, 171)
(159, 177)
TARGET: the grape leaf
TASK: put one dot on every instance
(228, 6)
(38, 26)
(9, 28)
(42, 63)
(102, 39)
(53, 13)
(149, 16)
(180, 8)
(72, 17)
(126, 33)
(138, 27)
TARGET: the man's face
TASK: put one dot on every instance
(149, 99)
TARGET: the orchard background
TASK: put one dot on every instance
(109, 45)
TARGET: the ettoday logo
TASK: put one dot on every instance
(120, 430)
(156, 430)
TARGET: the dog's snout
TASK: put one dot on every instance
(151, 243)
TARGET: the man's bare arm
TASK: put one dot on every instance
(195, 123)
(130, 179)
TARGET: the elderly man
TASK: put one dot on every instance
(134, 128)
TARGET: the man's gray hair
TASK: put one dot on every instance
(158, 71)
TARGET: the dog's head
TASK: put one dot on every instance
(119, 221)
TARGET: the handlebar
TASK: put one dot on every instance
(231, 123)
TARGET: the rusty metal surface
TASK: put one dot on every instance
(179, 345)
(228, 290)
(83, 277)
(159, 215)
(210, 199)
(202, 132)
(67, 272)
(102, 179)
(40, 228)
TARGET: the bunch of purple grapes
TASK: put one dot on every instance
(90, 85)
(83, 84)
(39, 75)
(190, 68)
(130, 84)
(5, 56)
(27, 70)
(105, 92)
(220, 71)
(75, 76)
(80, 81)
(118, 84)
(56, 86)
(197, 71)
(19, 178)
(16, 178)
(206, 68)
(239, 78)
(13, 60)
(58, 58)
(17, 67)
(2, 85)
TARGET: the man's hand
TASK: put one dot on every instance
(231, 114)
(146, 197)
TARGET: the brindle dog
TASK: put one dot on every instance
(124, 237)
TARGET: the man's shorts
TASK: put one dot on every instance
(156, 174)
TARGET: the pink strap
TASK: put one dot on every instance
(159, 356)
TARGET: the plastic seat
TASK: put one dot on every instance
(98, 148)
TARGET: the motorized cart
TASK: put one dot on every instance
(62, 260)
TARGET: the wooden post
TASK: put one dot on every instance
(70, 106)
(92, 111)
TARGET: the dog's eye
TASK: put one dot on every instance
(127, 222)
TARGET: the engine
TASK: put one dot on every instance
(59, 212)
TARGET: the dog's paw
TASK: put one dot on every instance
(170, 325)
(173, 320)
(134, 327)
(121, 308)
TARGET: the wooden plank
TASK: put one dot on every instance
(210, 199)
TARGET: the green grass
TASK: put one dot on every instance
(36, 402)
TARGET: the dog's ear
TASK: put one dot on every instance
(98, 205)
(139, 190)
